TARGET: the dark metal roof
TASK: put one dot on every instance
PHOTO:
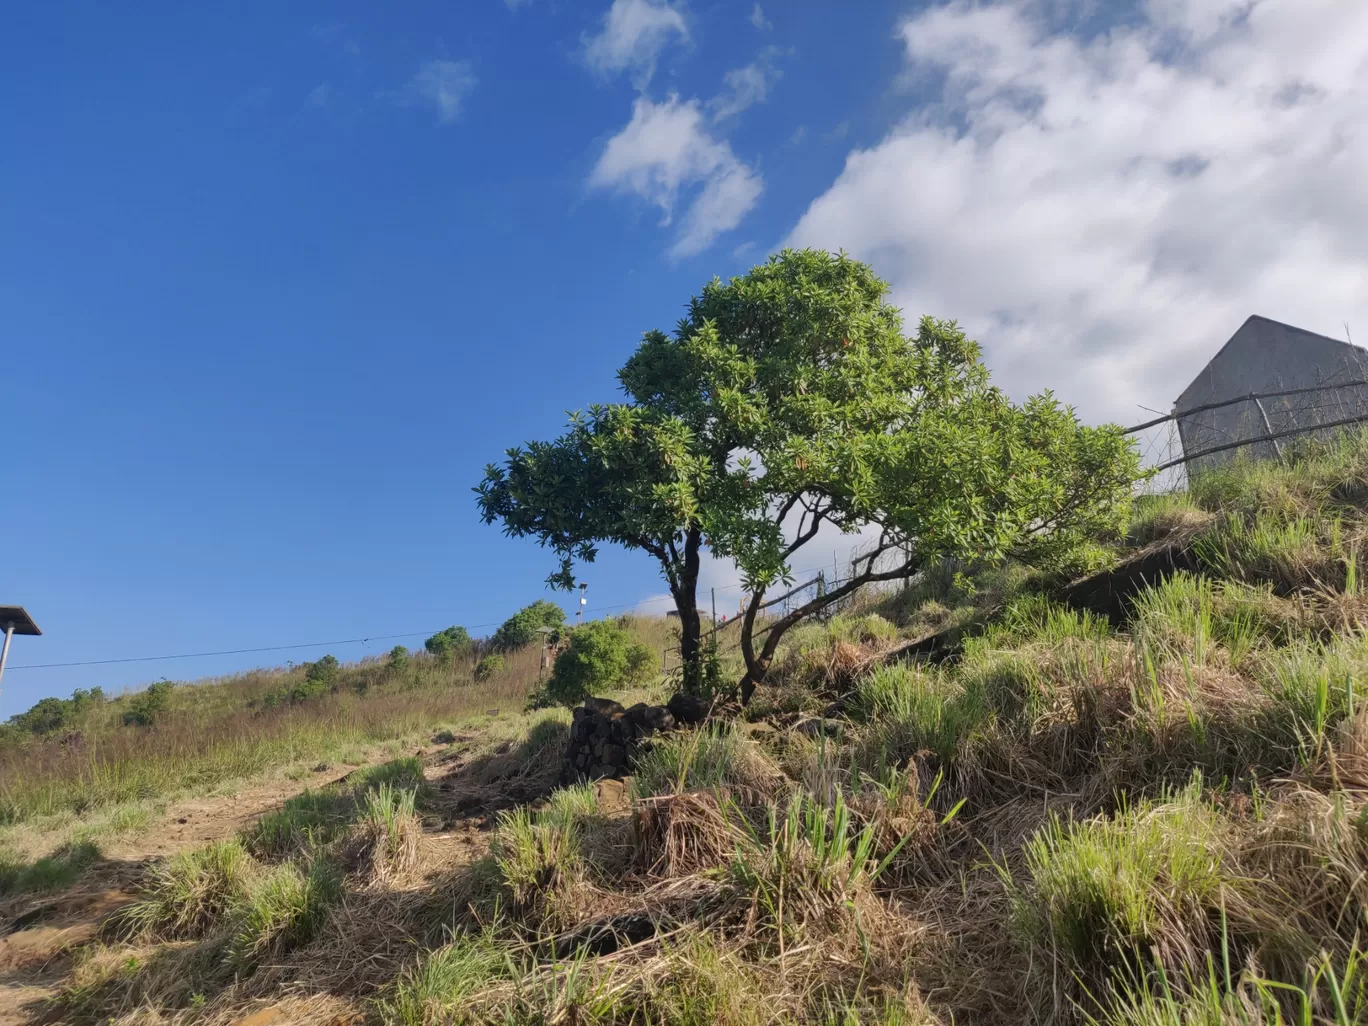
(23, 623)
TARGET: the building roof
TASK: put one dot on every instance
(1269, 337)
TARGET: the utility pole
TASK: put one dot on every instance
(713, 592)
(579, 613)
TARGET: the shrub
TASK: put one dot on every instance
(450, 643)
(399, 658)
(322, 670)
(600, 655)
(520, 629)
(488, 666)
(147, 707)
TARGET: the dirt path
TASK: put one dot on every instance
(37, 932)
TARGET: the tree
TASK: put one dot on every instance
(802, 369)
(790, 398)
(629, 474)
(520, 629)
(445, 645)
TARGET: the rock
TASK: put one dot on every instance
(689, 709)
(651, 718)
(614, 755)
(602, 706)
(820, 728)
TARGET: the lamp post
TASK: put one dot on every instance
(579, 613)
(15, 621)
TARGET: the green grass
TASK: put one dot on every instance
(283, 910)
(440, 987)
(53, 872)
(193, 892)
(1113, 888)
(306, 822)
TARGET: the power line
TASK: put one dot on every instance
(288, 648)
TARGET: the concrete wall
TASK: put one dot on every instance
(1265, 356)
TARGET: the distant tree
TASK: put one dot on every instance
(449, 644)
(399, 657)
(600, 655)
(52, 714)
(488, 666)
(321, 671)
(520, 629)
(148, 706)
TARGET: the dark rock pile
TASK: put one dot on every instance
(605, 737)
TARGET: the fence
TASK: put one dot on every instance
(1207, 435)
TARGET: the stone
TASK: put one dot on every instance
(689, 709)
(602, 706)
(614, 755)
(819, 727)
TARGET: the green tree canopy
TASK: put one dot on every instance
(520, 629)
(790, 398)
(454, 641)
(600, 655)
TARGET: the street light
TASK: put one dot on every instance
(579, 613)
(545, 633)
(15, 621)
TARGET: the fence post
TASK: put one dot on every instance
(1268, 430)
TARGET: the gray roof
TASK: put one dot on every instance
(1264, 355)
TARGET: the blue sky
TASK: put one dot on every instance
(277, 281)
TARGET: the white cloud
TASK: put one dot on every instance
(1103, 213)
(633, 35)
(320, 94)
(666, 149)
(758, 19)
(444, 85)
(744, 87)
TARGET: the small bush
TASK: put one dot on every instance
(50, 715)
(283, 911)
(193, 892)
(520, 629)
(488, 666)
(149, 705)
(399, 658)
(600, 656)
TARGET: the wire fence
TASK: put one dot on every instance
(1260, 425)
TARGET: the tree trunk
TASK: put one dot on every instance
(686, 602)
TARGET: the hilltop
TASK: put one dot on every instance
(1128, 789)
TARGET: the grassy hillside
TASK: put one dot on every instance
(1159, 821)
